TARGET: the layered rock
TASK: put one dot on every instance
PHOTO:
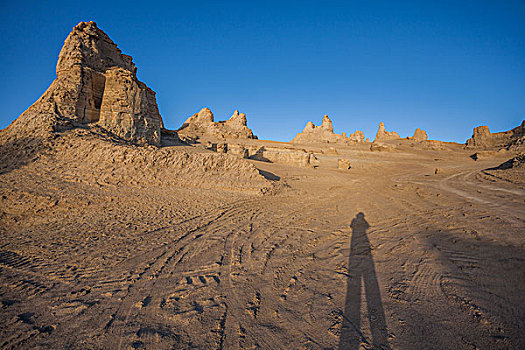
(202, 124)
(96, 83)
(325, 133)
(383, 135)
(419, 135)
(483, 138)
(289, 156)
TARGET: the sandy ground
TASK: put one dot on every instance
(388, 255)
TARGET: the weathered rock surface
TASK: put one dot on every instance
(357, 136)
(483, 138)
(383, 135)
(419, 135)
(325, 134)
(513, 170)
(381, 147)
(293, 157)
(343, 164)
(95, 83)
(203, 124)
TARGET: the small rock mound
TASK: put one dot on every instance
(513, 163)
(513, 170)
(202, 124)
(344, 164)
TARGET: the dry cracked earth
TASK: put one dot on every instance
(388, 255)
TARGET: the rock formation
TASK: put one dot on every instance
(357, 136)
(325, 133)
(381, 147)
(290, 156)
(419, 135)
(203, 124)
(383, 135)
(483, 138)
(343, 164)
(96, 83)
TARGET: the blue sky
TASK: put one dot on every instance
(444, 66)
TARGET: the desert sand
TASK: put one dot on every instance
(127, 237)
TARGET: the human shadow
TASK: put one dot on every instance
(361, 271)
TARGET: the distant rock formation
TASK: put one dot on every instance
(419, 135)
(483, 138)
(383, 135)
(96, 83)
(203, 124)
(325, 133)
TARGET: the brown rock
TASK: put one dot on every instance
(325, 134)
(419, 135)
(283, 155)
(483, 138)
(343, 164)
(383, 135)
(381, 147)
(238, 150)
(96, 83)
(357, 136)
(203, 124)
(129, 109)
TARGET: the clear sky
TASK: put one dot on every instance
(444, 66)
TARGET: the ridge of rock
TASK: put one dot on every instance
(325, 133)
(203, 124)
(483, 138)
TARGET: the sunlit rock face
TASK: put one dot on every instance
(325, 133)
(202, 124)
(483, 138)
(383, 135)
(96, 83)
(419, 135)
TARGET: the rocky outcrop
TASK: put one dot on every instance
(324, 133)
(419, 135)
(513, 170)
(289, 156)
(357, 136)
(383, 135)
(381, 147)
(96, 83)
(343, 164)
(202, 124)
(483, 138)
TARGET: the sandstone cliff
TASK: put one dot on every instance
(95, 83)
(383, 135)
(325, 133)
(483, 138)
(202, 124)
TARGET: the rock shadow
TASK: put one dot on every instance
(268, 175)
(19, 152)
(361, 273)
